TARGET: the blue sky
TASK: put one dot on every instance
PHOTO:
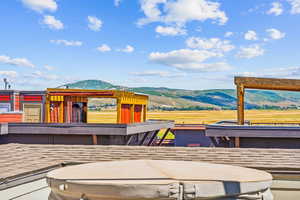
(190, 44)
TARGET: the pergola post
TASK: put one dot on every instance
(240, 104)
(240, 110)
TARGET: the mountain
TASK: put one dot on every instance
(178, 99)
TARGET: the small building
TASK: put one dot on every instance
(67, 105)
(70, 105)
(21, 106)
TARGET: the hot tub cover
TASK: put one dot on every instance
(158, 179)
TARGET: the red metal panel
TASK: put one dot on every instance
(32, 98)
(5, 97)
(138, 113)
(125, 113)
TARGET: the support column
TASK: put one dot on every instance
(144, 113)
(47, 110)
(240, 104)
(119, 111)
(240, 110)
(132, 113)
(61, 112)
(95, 139)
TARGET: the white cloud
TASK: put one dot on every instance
(163, 74)
(16, 61)
(42, 75)
(95, 24)
(295, 6)
(251, 51)
(190, 60)
(41, 5)
(276, 9)
(212, 43)
(169, 30)
(127, 49)
(228, 34)
(180, 12)
(250, 35)
(52, 22)
(67, 42)
(284, 72)
(104, 48)
(11, 74)
(275, 34)
(117, 2)
(49, 68)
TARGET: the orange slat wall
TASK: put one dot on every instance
(125, 113)
(13, 117)
(54, 114)
(138, 113)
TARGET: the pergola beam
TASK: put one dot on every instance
(268, 83)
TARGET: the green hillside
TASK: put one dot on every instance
(177, 99)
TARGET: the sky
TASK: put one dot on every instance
(186, 44)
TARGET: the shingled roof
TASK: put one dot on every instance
(18, 159)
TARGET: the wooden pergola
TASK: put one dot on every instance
(243, 83)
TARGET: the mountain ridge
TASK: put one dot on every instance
(163, 98)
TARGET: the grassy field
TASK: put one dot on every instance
(207, 117)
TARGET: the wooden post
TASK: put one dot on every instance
(61, 112)
(119, 111)
(47, 112)
(240, 109)
(240, 104)
(95, 141)
(144, 113)
(132, 113)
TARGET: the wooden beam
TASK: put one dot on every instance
(268, 83)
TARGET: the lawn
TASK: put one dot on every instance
(207, 117)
